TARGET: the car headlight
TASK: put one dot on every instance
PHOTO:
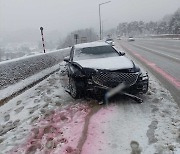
(144, 76)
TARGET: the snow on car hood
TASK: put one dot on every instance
(110, 63)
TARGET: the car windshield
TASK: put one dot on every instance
(95, 52)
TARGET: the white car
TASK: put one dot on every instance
(110, 41)
(131, 39)
(118, 38)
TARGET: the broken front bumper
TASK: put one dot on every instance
(135, 82)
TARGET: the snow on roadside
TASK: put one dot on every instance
(57, 132)
(24, 83)
(16, 70)
(40, 118)
(23, 69)
(166, 119)
(113, 133)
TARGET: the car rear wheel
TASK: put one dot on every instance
(76, 87)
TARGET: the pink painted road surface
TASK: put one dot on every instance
(97, 139)
(58, 132)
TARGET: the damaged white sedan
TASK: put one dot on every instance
(99, 67)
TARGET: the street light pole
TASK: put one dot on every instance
(100, 24)
(100, 21)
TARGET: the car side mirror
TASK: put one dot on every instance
(67, 59)
(123, 53)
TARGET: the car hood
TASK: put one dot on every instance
(110, 63)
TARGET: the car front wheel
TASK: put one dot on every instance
(76, 87)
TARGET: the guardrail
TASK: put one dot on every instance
(19, 69)
(172, 36)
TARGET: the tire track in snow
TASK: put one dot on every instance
(83, 138)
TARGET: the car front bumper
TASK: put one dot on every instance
(140, 86)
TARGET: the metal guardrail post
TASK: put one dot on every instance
(41, 28)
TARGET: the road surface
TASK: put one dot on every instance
(161, 57)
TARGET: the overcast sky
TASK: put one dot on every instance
(68, 15)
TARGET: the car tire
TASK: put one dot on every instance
(76, 88)
(145, 90)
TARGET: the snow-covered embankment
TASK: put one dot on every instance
(17, 74)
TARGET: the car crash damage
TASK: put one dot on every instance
(98, 67)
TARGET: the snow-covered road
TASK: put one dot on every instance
(45, 119)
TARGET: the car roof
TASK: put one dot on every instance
(91, 44)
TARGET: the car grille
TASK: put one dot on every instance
(112, 79)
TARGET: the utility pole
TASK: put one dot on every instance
(100, 21)
(76, 37)
(41, 28)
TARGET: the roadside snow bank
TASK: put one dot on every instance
(19, 69)
(19, 73)
(26, 82)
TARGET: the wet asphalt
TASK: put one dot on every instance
(161, 57)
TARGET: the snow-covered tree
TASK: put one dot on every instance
(170, 24)
(175, 23)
